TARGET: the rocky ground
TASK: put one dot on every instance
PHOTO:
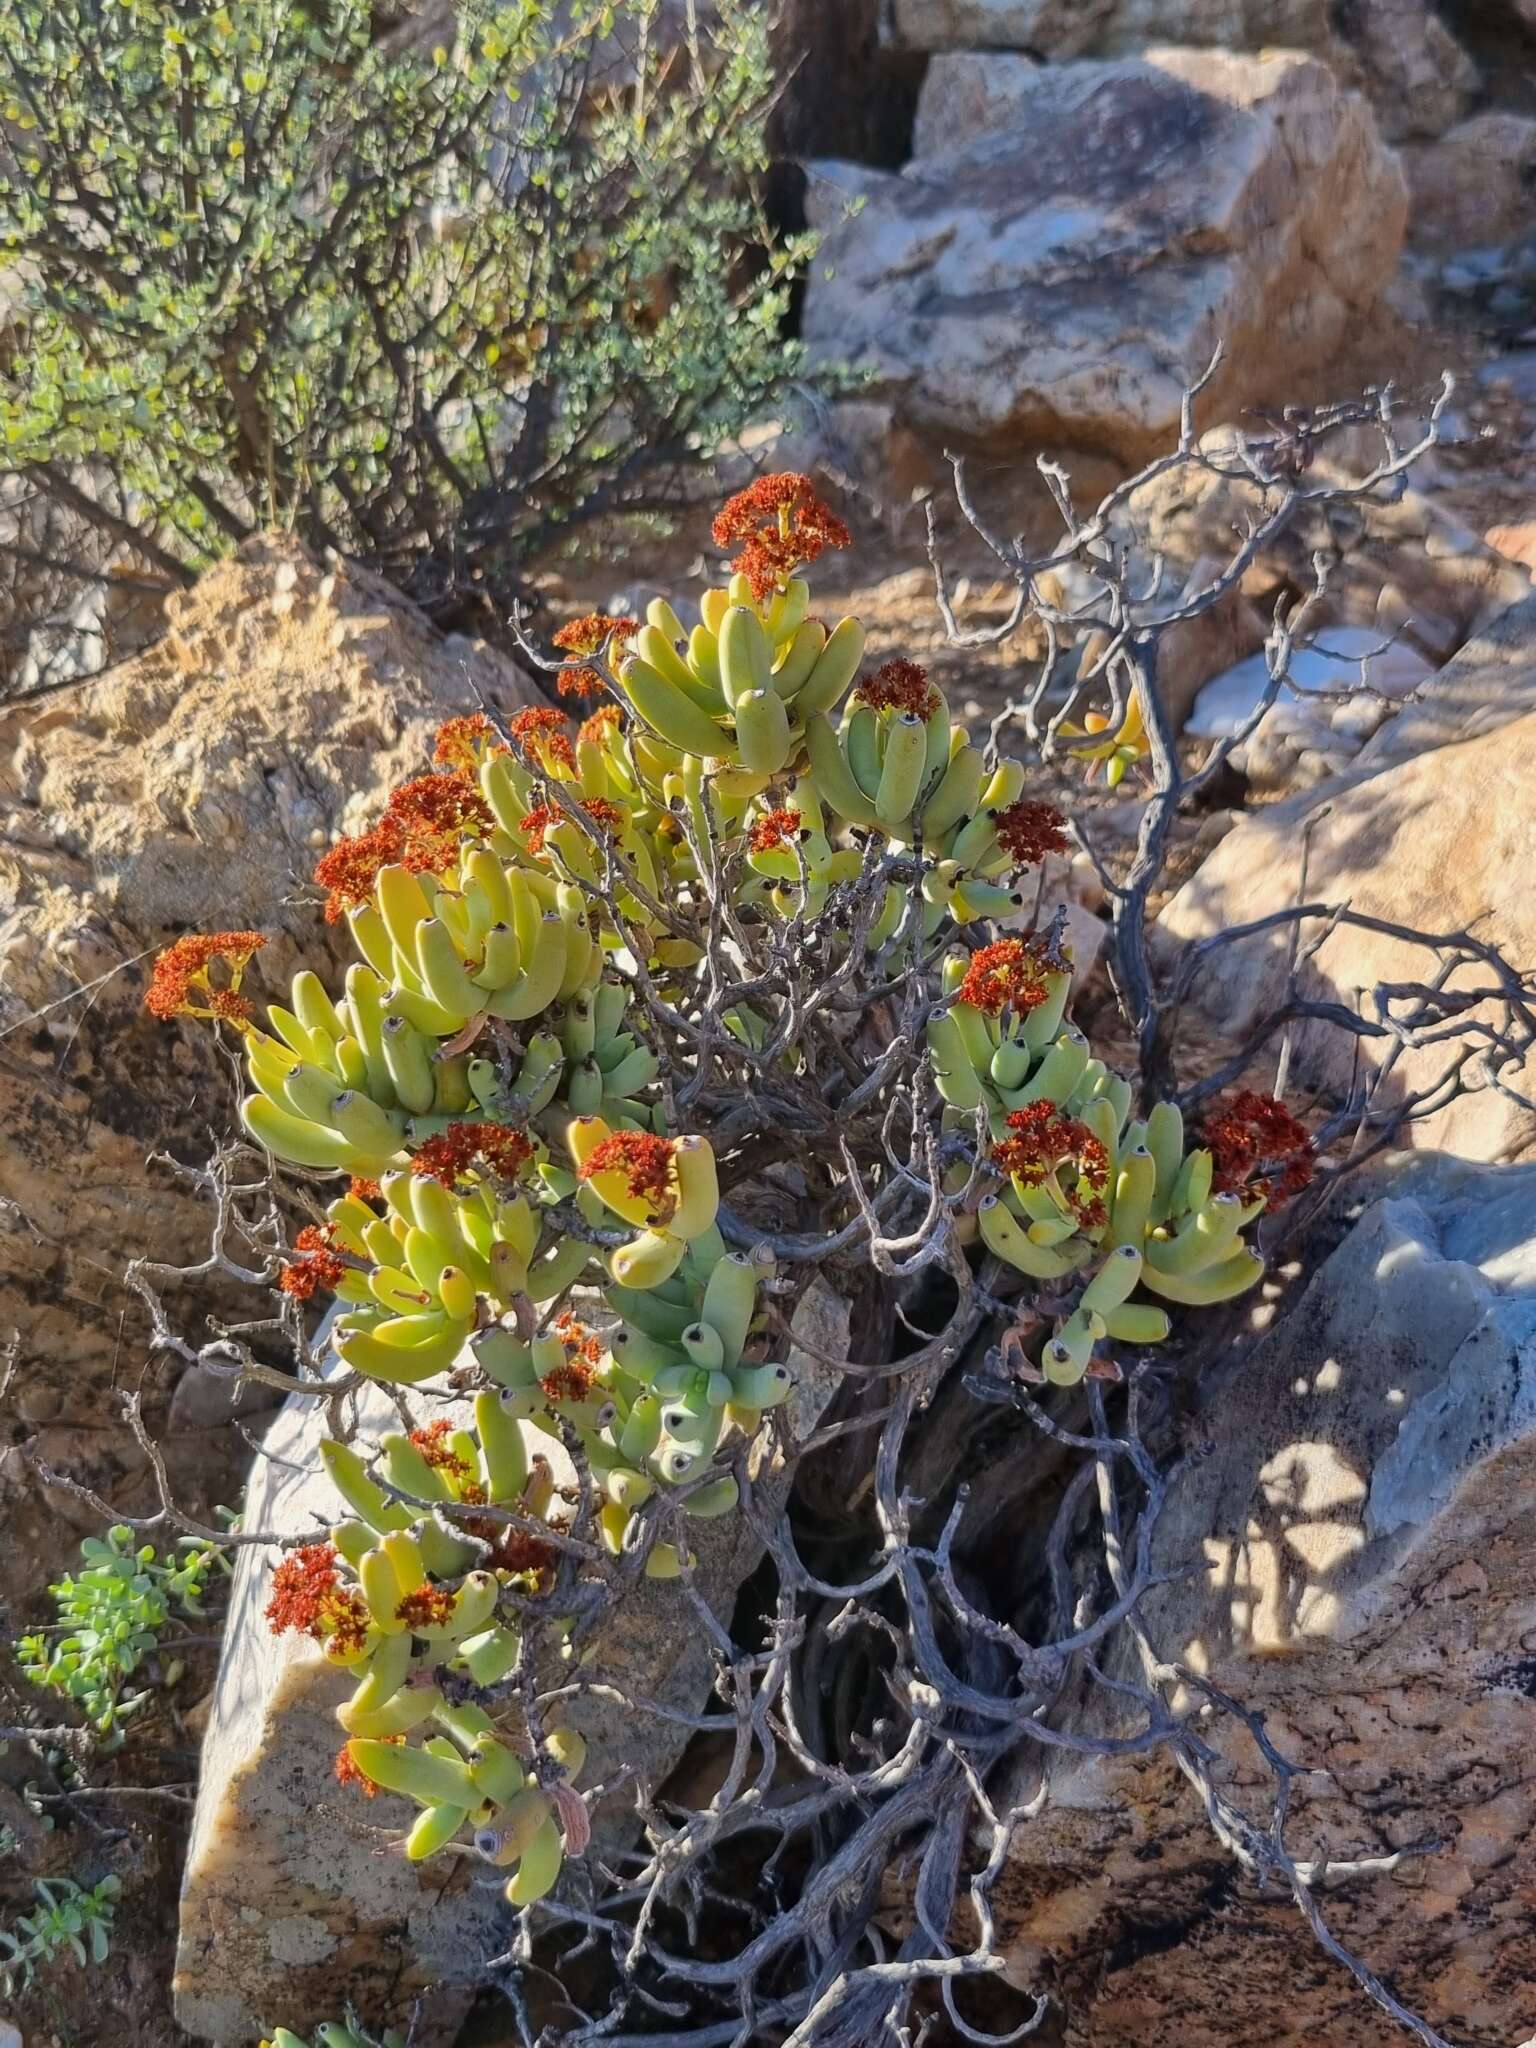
(1066, 241)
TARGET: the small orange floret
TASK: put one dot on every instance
(581, 681)
(1258, 1148)
(1028, 831)
(321, 1265)
(593, 631)
(542, 736)
(463, 743)
(602, 811)
(644, 1159)
(464, 1149)
(899, 686)
(1011, 972)
(569, 1382)
(427, 1607)
(772, 830)
(447, 804)
(577, 1338)
(780, 523)
(1045, 1141)
(432, 1442)
(182, 987)
(535, 822)
(596, 730)
(302, 1586)
(364, 1189)
(348, 1773)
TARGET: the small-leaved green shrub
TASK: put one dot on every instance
(426, 301)
(68, 1919)
(112, 1615)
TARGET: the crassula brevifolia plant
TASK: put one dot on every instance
(613, 976)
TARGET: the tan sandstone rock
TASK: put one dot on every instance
(295, 1897)
(1370, 1588)
(191, 788)
(1398, 52)
(1442, 841)
(1066, 277)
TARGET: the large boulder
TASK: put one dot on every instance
(189, 788)
(1370, 1588)
(1065, 278)
(295, 1897)
(1441, 842)
(1398, 52)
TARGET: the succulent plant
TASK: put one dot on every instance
(489, 1079)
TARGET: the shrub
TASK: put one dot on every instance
(68, 1920)
(111, 1616)
(625, 990)
(427, 304)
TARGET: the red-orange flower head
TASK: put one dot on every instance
(1046, 1141)
(364, 1189)
(1028, 831)
(1258, 1148)
(424, 824)
(591, 634)
(542, 736)
(307, 1594)
(182, 985)
(604, 813)
(597, 730)
(463, 743)
(320, 1266)
(781, 524)
(348, 1773)
(427, 1607)
(899, 686)
(1011, 972)
(773, 830)
(581, 681)
(466, 1150)
(646, 1163)
(437, 1451)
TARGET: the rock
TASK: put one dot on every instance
(1515, 543)
(190, 788)
(1066, 278)
(1514, 374)
(1440, 842)
(292, 1902)
(1473, 185)
(1398, 52)
(1489, 683)
(1369, 1590)
(1408, 568)
(1348, 656)
(967, 93)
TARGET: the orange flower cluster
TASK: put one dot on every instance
(772, 830)
(577, 1338)
(347, 1772)
(182, 987)
(594, 731)
(364, 1189)
(307, 1595)
(643, 1158)
(320, 1266)
(587, 635)
(511, 1550)
(422, 826)
(1044, 1142)
(427, 1607)
(604, 812)
(464, 1148)
(1028, 831)
(579, 682)
(543, 738)
(535, 822)
(899, 686)
(432, 1442)
(463, 743)
(1258, 1148)
(1011, 972)
(780, 523)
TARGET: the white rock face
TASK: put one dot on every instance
(1065, 277)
